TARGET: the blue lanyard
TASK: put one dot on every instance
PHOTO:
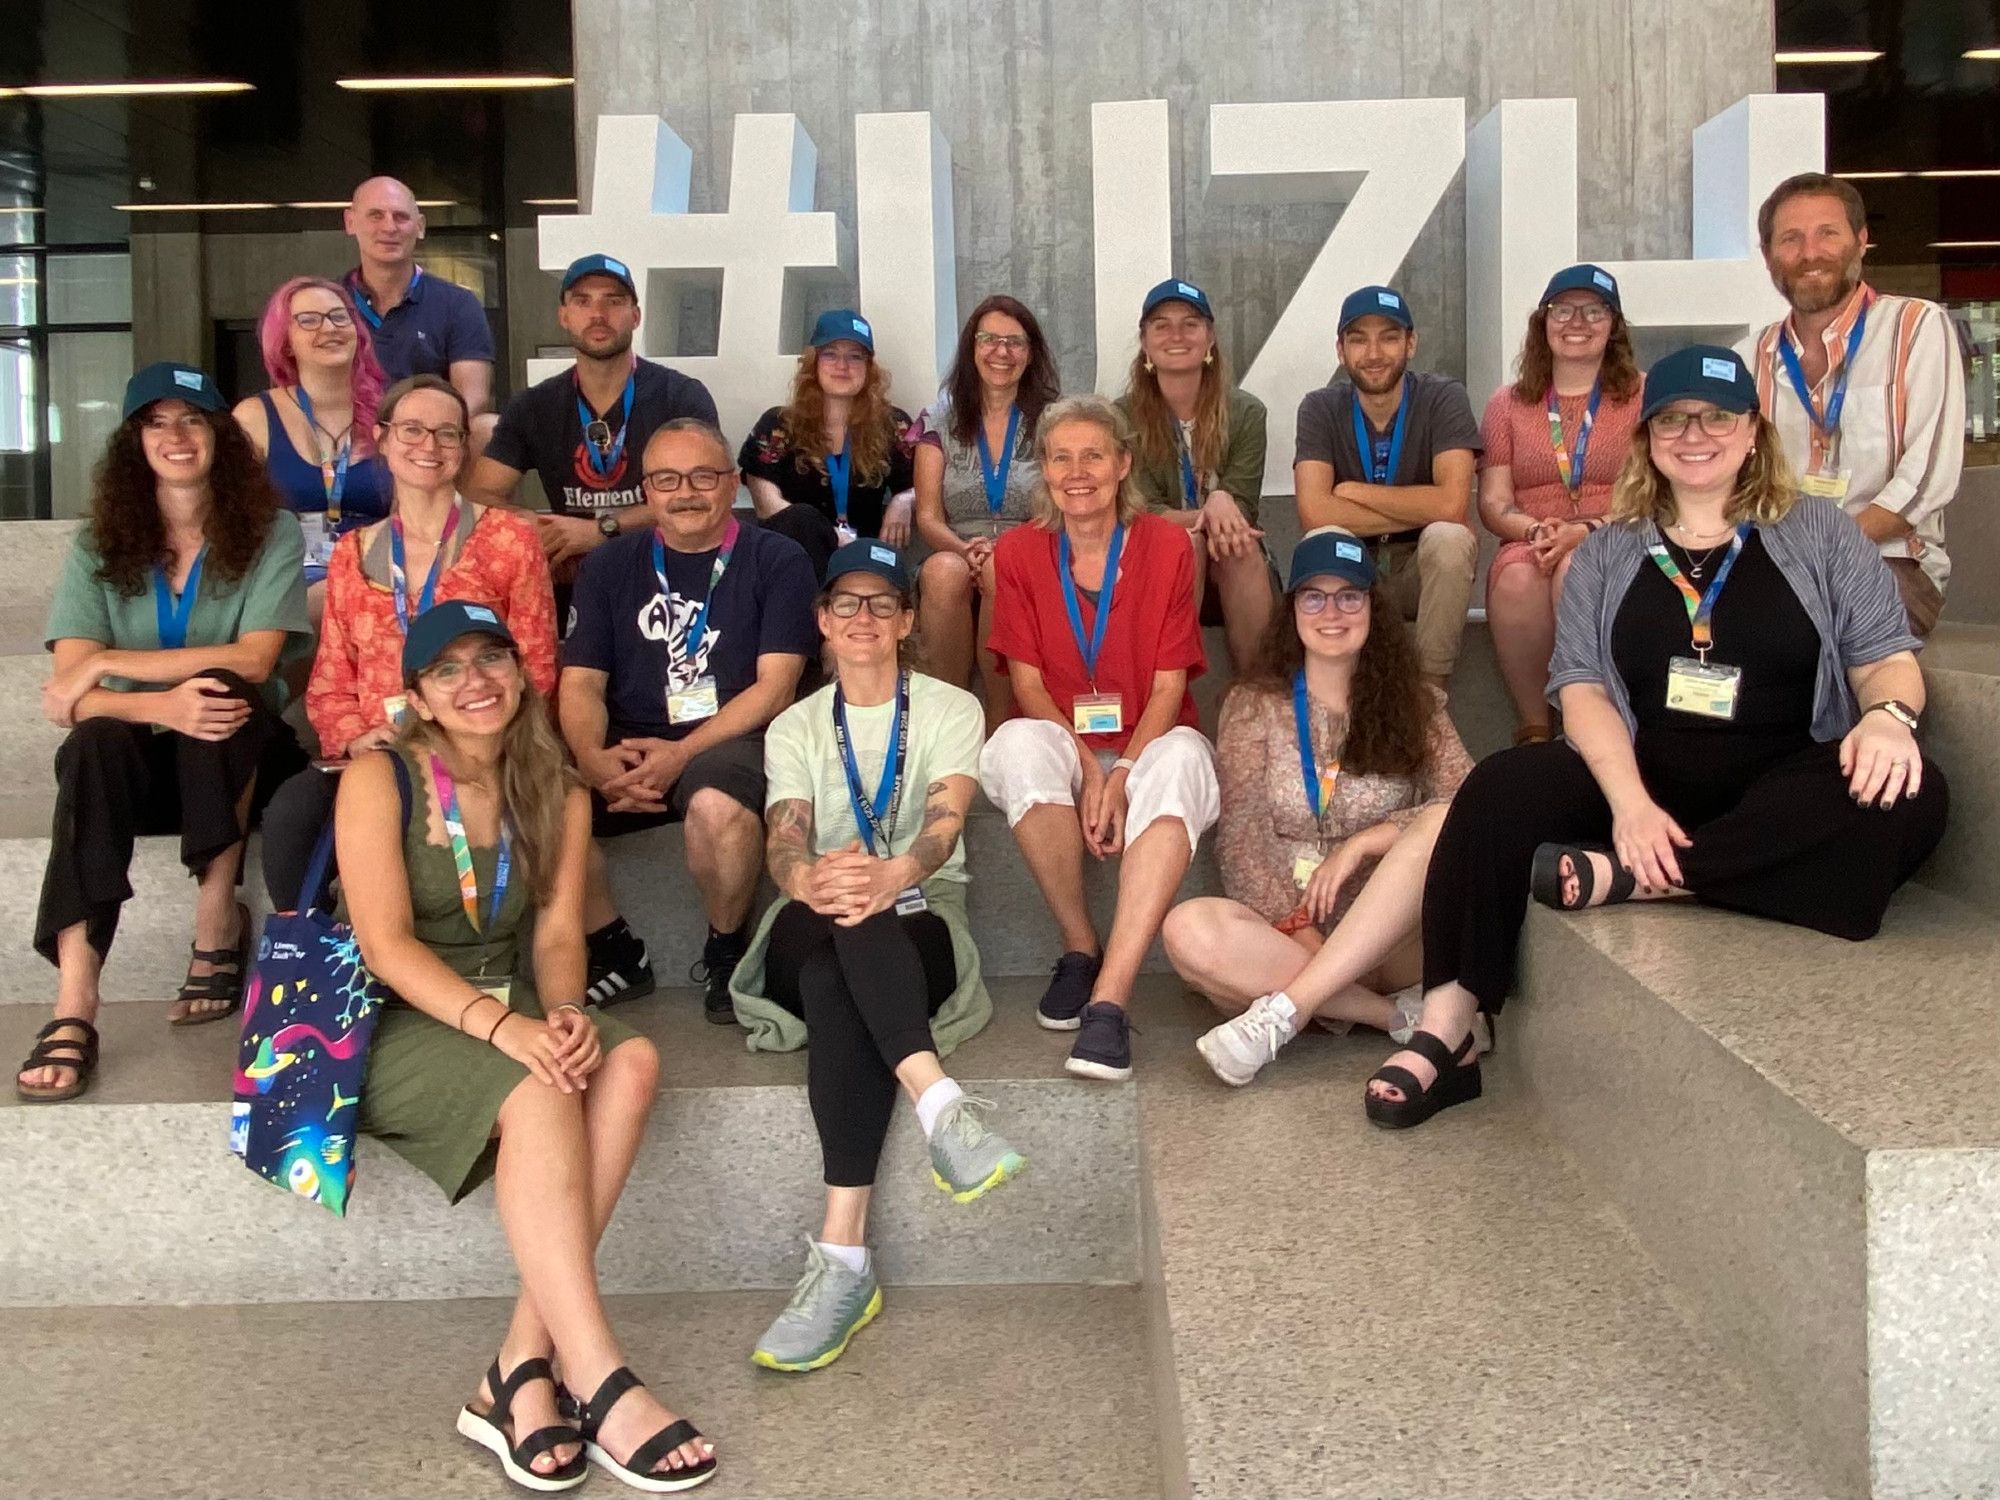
(839, 474)
(173, 614)
(1572, 477)
(336, 483)
(1189, 486)
(698, 626)
(1095, 645)
(461, 855)
(1364, 440)
(1828, 424)
(876, 816)
(1319, 785)
(399, 585)
(996, 479)
(605, 463)
(367, 308)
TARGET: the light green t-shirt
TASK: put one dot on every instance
(802, 761)
(271, 596)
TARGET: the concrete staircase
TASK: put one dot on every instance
(1724, 1223)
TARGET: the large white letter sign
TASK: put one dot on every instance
(1132, 218)
(909, 249)
(1389, 160)
(764, 245)
(1521, 223)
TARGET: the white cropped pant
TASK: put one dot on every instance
(1028, 762)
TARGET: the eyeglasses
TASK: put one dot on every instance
(491, 662)
(1713, 420)
(882, 606)
(701, 481)
(837, 356)
(413, 433)
(1592, 313)
(333, 317)
(1011, 343)
(1346, 601)
(187, 421)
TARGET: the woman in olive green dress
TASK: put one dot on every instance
(469, 909)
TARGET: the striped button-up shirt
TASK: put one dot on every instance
(1901, 438)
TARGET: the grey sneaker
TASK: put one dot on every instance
(967, 1159)
(828, 1307)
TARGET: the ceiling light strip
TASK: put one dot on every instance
(469, 81)
(1828, 55)
(128, 88)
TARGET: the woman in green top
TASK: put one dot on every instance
(179, 601)
(1200, 456)
(462, 851)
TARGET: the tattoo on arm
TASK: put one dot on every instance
(788, 843)
(939, 835)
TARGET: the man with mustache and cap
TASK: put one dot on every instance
(1866, 389)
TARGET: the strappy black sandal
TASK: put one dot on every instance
(225, 981)
(639, 1473)
(489, 1430)
(1545, 879)
(51, 1051)
(1453, 1085)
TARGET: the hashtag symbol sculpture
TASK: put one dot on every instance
(768, 247)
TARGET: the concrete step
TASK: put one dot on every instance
(973, 1391)
(134, 1183)
(1962, 732)
(30, 566)
(1804, 1134)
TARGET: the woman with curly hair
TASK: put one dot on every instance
(1337, 764)
(315, 427)
(833, 463)
(177, 605)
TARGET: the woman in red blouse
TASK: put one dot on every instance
(1555, 440)
(1093, 621)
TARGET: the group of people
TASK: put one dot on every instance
(495, 692)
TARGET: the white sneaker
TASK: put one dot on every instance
(1237, 1049)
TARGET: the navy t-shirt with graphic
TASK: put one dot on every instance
(542, 430)
(619, 622)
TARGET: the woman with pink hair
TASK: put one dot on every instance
(314, 428)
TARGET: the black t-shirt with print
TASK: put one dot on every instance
(767, 455)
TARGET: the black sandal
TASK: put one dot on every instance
(1546, 877)
(489, 1430)
(639, 1473)
(1453, 1085)
(51, 1051)
(231, 971)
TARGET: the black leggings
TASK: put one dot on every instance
(116, 781)
(1788, 843)
(867, 994)
(292, 825)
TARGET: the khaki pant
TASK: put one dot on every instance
(1429, 581)
(1921, 600)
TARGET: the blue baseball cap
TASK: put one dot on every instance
(1173, 289)
(1376, 302)
(168, 381)
(843, 323)
(1700, 372)
(869, 556)
(1585, 278)
(440, 625)
(1332, 551)
(599, 265)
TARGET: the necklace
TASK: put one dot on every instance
(1687, 531)
(1696, 569)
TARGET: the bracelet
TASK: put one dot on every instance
(567, 1005)
(1122, 764)
(506, 1015)
(460, 1023)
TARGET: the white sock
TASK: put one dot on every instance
(1282, 1007)
(854, 1257)
(932, 1101)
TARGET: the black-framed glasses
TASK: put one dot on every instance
(669, 481)
(1346, 601)
(413, 432)
(1592, 313)
(333, 317)
(1013, 343)
(882, 606)
(491, 662)
(1713, 420)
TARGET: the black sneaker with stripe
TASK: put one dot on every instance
(620, 967)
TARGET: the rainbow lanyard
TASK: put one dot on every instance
(333, 471)
(1320, 781)
(399, 585)
(1700, 607)
(1569, 460)
(698, 626)
(461, 854)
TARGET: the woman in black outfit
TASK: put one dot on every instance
(1739, 690)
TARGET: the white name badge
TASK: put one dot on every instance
(1304, 868)
(394, 707)
(1099, 713)
(501, 989)
(1828, 485)
(910, 902)
(698, 701)
(318, 533)
(1705, 688)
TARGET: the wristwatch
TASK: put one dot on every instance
(607, 523)
(1898, 710)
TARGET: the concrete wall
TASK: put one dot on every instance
(1011, 82)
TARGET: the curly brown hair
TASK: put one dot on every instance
(872, 429)
(1619, 369)
(1039, 382)
(125, 522)
(1389, 707)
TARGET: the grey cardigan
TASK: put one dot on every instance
(1846, 588)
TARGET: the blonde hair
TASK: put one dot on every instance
(1765, 489)
(1156, 430)
(1099, 411)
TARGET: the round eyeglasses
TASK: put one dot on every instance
(1346, 601)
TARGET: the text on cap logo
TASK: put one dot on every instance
(189, 378)
(1186, 289)
(1718, 369)
(1347, 551)
(1388, 299)
(882, 555)
(861, 327)
(616, 265)
(482, 614)
(1603, 279)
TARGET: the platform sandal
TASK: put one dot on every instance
(640, 1472)
(79, 1054)
(225, 981)
(1546, 876)
(1453, 1085)
(489, 1430)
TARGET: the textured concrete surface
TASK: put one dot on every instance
(1962, 733)
(1019, 1391)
